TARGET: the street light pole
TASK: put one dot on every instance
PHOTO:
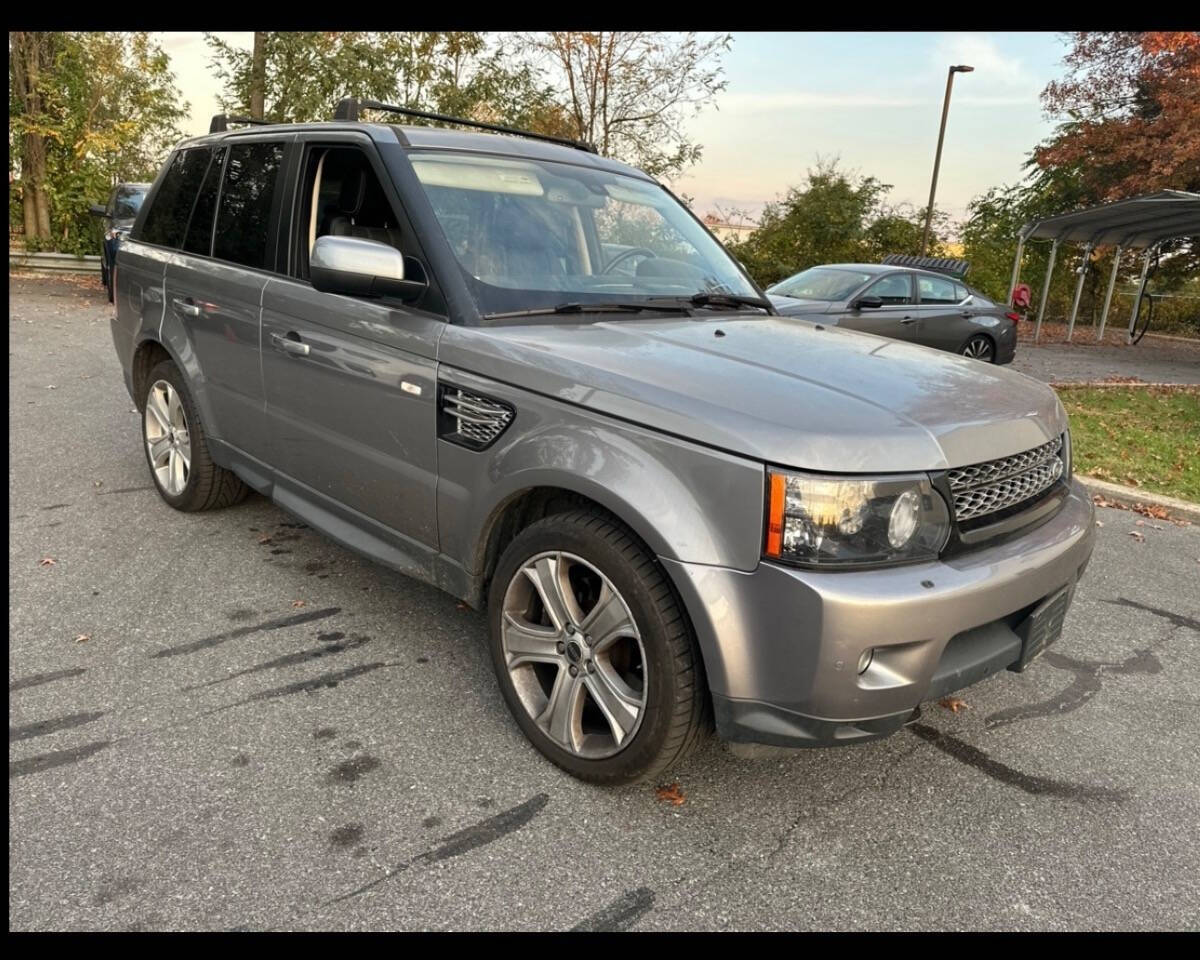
(937, 160)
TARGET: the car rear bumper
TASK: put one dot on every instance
(782, 646)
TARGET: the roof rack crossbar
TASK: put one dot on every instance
(349, 107)
(220, 123)
(947, 265)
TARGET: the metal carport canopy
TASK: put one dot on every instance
(1139, 223)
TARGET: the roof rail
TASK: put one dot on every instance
(946, 265)
(349, 107)
(220, 123)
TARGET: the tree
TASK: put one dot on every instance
(1132, 112)
(104, 108)
(258, 75)
(629, 93)
(305, 74)
(835, 217)
(30, 58)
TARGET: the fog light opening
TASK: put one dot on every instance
(865, 660)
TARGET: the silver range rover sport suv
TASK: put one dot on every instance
(528, 375)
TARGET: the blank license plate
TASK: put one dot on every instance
(1042, 628)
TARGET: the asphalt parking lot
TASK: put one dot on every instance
(225, 721)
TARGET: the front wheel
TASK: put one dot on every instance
(980, 347)
(592, 650)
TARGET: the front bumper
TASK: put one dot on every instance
(782, 645)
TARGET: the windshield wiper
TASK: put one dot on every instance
(728, 300)
(580, 307)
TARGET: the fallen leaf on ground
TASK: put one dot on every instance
(47, 562)
(97, 483)
(671, 794)
(297, 603)
(1138, 535)
(461, 605)
(265, 538)
(954, 704)
(83, 638)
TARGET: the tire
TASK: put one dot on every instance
(204, 486)
(980, 347)
(598, 557)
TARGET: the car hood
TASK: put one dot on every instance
(794, 394)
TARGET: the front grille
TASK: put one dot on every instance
(986, 488)
(472, 419)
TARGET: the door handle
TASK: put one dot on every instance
(186, 307)
(290, 344)
(909, 320)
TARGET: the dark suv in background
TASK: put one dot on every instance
(919, 306)
(527, 374)
(117, 217)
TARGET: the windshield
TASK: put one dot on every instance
(128, 202)
(821, 283)
(532, 234)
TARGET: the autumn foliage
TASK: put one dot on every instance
(1132, 103)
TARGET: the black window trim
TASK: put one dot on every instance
(292, 237)
(939, 303)
(912, 287)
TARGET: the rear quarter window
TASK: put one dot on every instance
(200, 229)
(248, 204)
(166, 221)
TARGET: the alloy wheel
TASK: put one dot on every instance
(980, 348)
(167, 438)
(574, 654)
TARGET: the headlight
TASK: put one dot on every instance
(843, 521)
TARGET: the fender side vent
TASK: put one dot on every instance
(470, 419)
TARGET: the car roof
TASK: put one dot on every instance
(433, 138)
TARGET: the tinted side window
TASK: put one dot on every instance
(199, 233)
(935, 290)
(247, 201)
(893, 289)
(167, 218)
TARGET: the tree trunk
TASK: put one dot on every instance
(29, 52)
(258, 75)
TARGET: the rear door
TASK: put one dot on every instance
(351, 382)
(214, 286)
(897, 318)
(945, 312)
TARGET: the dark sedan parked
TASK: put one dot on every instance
(123, 205)
(906, 304)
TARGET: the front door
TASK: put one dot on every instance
(351, 382)
(896, 318)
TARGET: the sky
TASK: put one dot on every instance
(873, 100)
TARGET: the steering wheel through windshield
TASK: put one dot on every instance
(625, 255)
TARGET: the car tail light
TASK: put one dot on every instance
(1014, 317)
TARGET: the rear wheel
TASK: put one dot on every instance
(592, 650)
(177, 447)
(980, 347)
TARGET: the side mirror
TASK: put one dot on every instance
(98, 210)
(360, 268)
(869, 303)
